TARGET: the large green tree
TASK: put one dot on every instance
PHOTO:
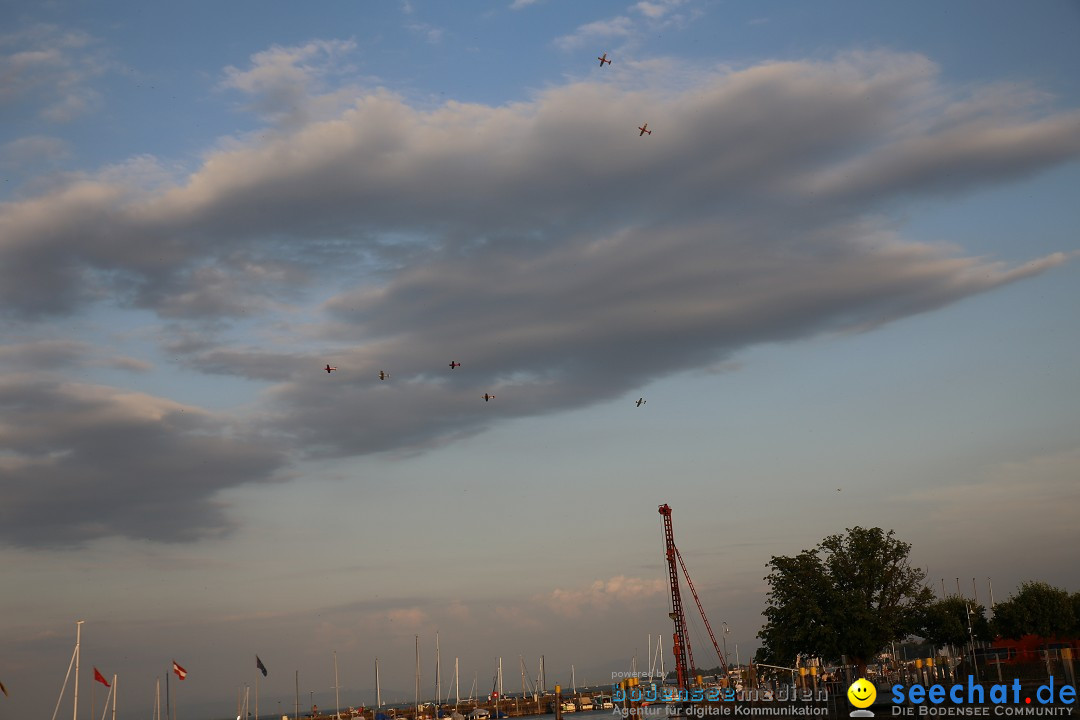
(851, 595)
(1037, 609)
(947, 622)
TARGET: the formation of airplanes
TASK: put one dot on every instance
(383, 375)
(488, 397)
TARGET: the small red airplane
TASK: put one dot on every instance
(644, 129)
(488, 396)
(641, 401)
(330, 368)
(603, 59)
(454, 364)
(383, 375)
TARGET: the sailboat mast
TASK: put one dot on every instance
(416, 695)
(337, 698)
(113, 690)
(650, 658)
(660, 650)
(457, 686)
(438, 676)
(378, 687)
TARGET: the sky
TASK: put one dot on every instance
(842, 272)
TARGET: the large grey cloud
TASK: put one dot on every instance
(81, 462)
(560, 257)
(384, 177)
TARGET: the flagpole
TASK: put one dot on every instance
(168, 697)
(256, 689)
(78, 638)
(114, 696)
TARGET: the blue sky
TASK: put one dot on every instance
(842, 271)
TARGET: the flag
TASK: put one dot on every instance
(180, 672)
(101, 678)
(3, 689)
(260, 666)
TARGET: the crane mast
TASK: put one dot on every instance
(681, 641)
(684, 656)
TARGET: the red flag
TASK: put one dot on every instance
(101, 678)
(180, 672)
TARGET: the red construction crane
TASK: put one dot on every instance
(681, 647)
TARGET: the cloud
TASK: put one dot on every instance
(603, 594)
(563, 259)
(82, 462)
(53, 69)
(31, 150)
(654, 15)
(520, 4)
(657, 9)
(47, 355)
(619, 26)
(285, 82)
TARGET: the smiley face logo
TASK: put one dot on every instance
(862, 693)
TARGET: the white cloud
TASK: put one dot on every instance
(603, 594)
(287, 83)
(616, 27)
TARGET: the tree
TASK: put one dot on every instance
(852, 595)
(1037, 609)
(947, 622)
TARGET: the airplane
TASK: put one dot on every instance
(454, 364)
(383, 375)
(488, 396)
(330, 368)
(644, 129)
(603, 59)
(641, 401)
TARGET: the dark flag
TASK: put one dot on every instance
(3, 689)
(101, 678)
(259, 665)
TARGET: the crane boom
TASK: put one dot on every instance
(712, 636)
